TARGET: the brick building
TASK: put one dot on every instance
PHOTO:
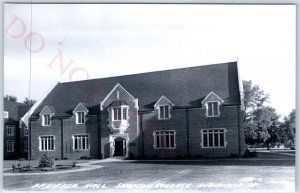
(188, 112)
(15, 137)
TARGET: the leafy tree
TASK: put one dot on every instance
(254, 101)
(28, 101)
(10, 98)
(289, 129)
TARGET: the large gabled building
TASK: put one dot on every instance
(188, 112)
(15, 137)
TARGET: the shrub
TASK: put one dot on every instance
(46, 161)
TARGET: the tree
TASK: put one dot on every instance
(10, 98)
(28, 101)
(254, 101)
(254, 97)
(289, 129)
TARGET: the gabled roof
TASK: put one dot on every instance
(185, 87)
(213, 96)
(163, 98)
(15, 111)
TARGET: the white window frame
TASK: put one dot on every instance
(122, 107)
(161, 133)
(169, 110)
(77, 117)
(213, 137)
(86, 137)
(10, 146)
(40, 143)
(5, 114)
(26, 131)
(207, 110)
(25, 146)
(43, 119)
(10, 128)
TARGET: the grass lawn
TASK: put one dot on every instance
(259, 174)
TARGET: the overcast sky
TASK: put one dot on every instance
(109, 40)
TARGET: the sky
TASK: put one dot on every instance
(103, 40)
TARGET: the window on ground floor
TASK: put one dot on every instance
(213, 138)
(25, 146)
(81, 142)
(164, 139)
(10, 146)
(46, 143)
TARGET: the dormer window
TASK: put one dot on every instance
(46, 115)
(80, 117)
(164, 112)
(120, 113)
(212, 109)
(5, 115)
(163, 107)
(212, 103)
(46, 119)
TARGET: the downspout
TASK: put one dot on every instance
(239, 134)
(62, 137)
(142, 131)
(99, 136)
(29, 139)
(187, 132)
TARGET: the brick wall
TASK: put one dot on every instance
(38, 130)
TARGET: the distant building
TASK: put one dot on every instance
(188, 112)
(15, 138)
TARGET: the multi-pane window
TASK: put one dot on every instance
(81, 142)
(164, 139)
(5, 115)
(212, 109)
(25, 131)
(46, 120)
(10, 130)
(46, 143)
(164, 112)
(80, 119)
(120, 113)
(10, 146)
(213, 138)
(25, 146)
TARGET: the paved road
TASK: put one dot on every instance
(205, 175)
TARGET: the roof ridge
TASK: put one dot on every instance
(142, 73)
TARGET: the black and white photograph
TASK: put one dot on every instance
(149, 97)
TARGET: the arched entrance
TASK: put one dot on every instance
(120, 147)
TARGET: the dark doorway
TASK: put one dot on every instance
(119, 147)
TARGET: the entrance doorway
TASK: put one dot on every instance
(120, 147)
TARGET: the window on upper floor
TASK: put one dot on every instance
(81, 142)
(213, 138)
(10, 146)
(10, 130)
(213, 109)
(120, 113)
(80, 117)
(164, 139)
(46, 120)
(5, 115)
(164, 112)
(46, 143)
